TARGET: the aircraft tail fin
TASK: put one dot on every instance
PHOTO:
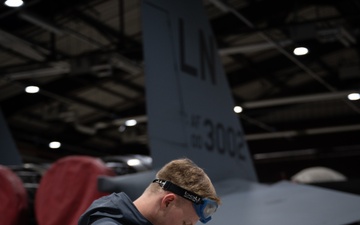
(8, 150)
(190, 106)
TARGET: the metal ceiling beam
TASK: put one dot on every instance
(297, 99)
(55, 69)
(340, 33)
(228, 9)
(22, 46)
(54, 28)
(248, 48)
(105, 30)
(41, 22)
(294, 133)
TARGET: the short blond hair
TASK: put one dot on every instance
(186, 174)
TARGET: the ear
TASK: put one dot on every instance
(167, 199)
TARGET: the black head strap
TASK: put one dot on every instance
(168, 186)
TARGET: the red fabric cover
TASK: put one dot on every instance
(68, 188)
(13, 198)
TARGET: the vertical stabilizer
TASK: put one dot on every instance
(9, 154)
(189, 103)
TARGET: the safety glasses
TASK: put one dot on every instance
(204, 207)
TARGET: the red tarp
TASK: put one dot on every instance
(13, 198)
(68, 188)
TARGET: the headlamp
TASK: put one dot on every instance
(204, 207)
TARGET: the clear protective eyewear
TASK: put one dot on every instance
(204, 207)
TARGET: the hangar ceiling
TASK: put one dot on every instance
(87, 59)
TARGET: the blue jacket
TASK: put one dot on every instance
(114, 209)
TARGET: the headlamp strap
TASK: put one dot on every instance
(167, 185)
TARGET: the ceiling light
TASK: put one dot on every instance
(14, 3)
(301, 51)
(238, 109)
(32, 89)
(54, 144)
(133, 162)
(130, 123)
(354, 96)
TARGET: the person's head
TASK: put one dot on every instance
(179, 188)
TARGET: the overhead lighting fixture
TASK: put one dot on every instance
(130, 123)
(354, 96)
(301, 51)
(32, 89)
(54, 144)
(133, 162)
(14, 3)
(238, 109)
